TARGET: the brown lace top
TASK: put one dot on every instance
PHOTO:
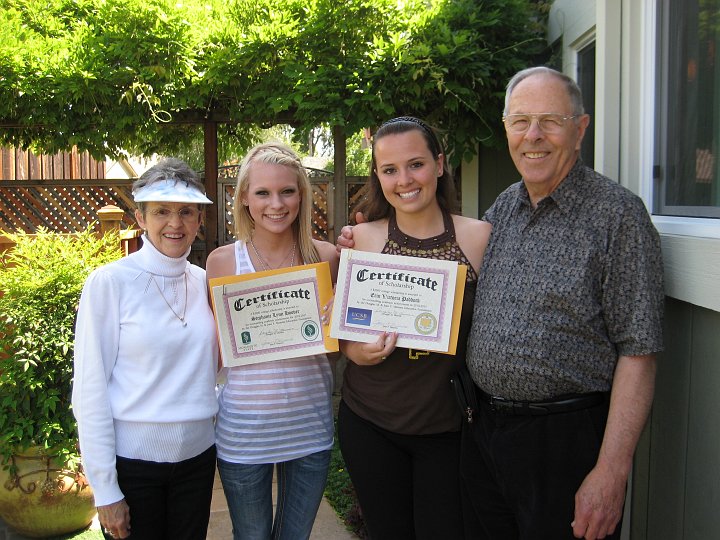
(443, 247)
(410, 392)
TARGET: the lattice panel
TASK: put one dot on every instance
(354, 190)
(59, 208)
(63, 209)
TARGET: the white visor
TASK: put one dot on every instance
(170, 191)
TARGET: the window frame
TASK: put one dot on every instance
(685, 220)
(691, 245)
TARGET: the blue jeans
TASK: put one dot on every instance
(248, 490)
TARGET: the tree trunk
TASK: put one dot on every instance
(339, 211)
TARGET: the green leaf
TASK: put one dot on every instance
(110, 76)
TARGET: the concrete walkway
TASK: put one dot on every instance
(327, 524)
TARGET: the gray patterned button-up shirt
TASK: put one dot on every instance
(565, 289)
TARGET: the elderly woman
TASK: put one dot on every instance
(145, 363)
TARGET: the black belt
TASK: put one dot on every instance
(563, 404)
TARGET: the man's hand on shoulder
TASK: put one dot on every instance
(345, 240)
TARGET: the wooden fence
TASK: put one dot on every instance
(68, 206)
(65, 206)
(18, 164)
(322, 185)
(109, 218)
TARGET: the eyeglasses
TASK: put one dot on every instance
(547, 122)
(187, 214)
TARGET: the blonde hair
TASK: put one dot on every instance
(276, 153)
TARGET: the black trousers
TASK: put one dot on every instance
(168, 501)
(408, 486)
(522, 472)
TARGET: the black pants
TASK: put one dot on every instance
(408, 485)
(168, 501)
(522, 472)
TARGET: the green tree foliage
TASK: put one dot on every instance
(139, 75)
(91, 73)
(358, 157)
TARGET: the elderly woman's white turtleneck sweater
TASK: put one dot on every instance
(144, 383)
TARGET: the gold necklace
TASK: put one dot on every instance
(266, 266)
(181, 318)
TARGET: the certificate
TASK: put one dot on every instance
(272, 315)
(418, 298)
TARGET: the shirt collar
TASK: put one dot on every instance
(566, 194)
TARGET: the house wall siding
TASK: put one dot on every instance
(682, 451)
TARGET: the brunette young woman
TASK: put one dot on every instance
(274, 415)
(399, 422)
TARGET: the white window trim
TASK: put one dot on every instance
(571, 67)
(687, 226)
(691, 246)
(581, 42)
(609, 77)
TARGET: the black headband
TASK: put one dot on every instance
(417, 122)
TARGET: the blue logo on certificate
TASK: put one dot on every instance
(359, 316)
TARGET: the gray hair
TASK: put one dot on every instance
(571, 86)
(168, 169)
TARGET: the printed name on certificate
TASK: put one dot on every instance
(418, 298)
(272, 315)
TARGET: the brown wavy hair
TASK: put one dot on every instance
(373, 203)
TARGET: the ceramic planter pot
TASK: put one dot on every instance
(44, 498)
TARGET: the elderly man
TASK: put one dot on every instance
(566, 324)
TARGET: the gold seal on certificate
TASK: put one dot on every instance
(418, 298)
(272, 315)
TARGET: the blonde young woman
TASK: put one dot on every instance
(274, 414)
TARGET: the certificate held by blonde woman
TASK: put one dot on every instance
(272, 315)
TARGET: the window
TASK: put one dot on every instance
(687, 170)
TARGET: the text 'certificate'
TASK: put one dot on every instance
(272, 315)
(418, 298)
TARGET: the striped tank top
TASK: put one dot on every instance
(274, 411)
